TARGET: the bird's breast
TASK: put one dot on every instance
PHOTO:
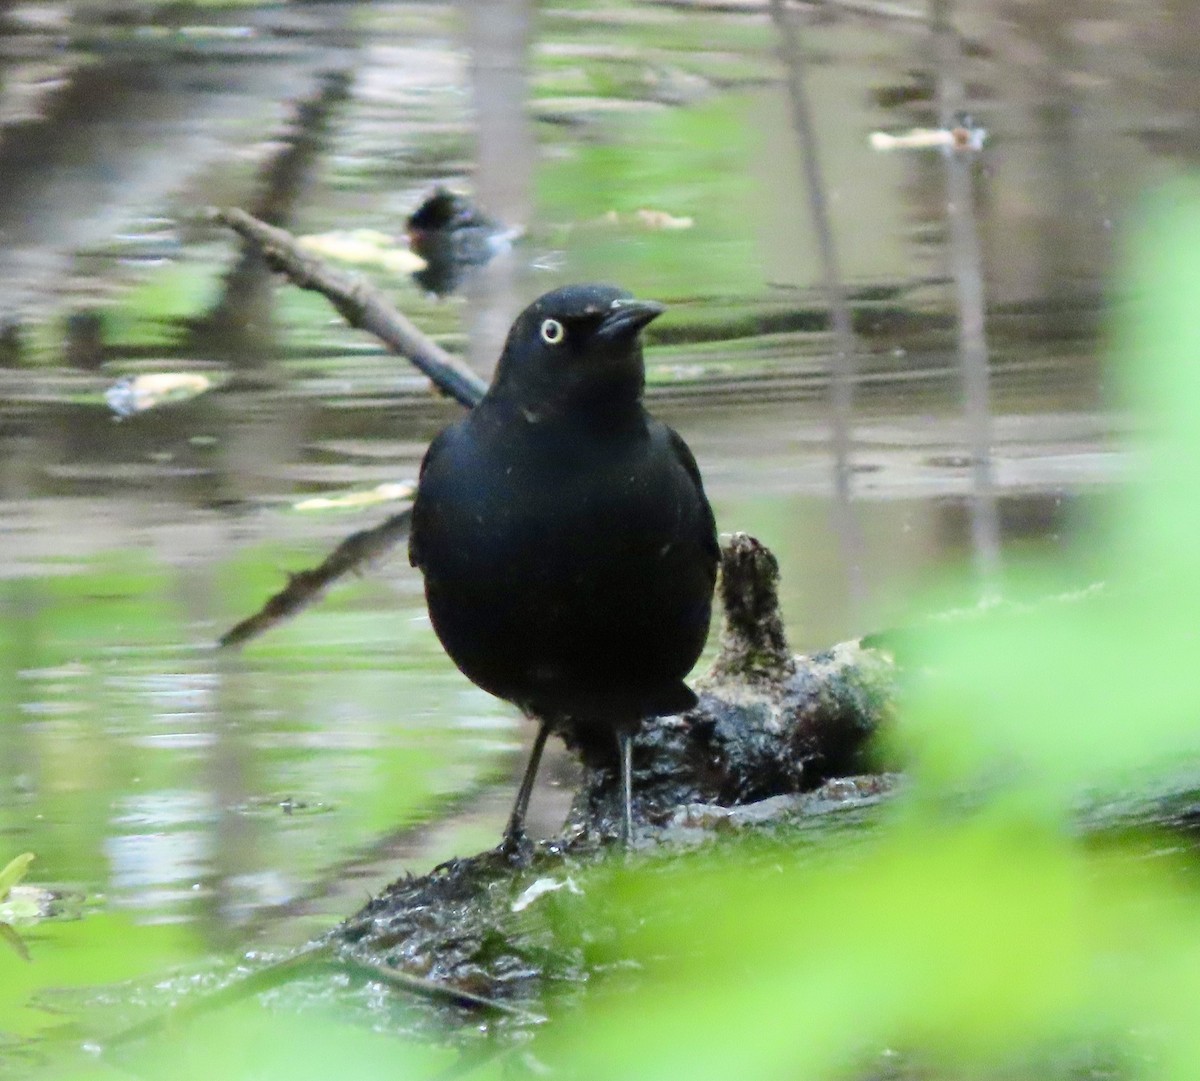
(542, 502)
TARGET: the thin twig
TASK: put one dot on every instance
(845, 355)
(360, 304)
(253, 983)
(318, 954)
(432, 989)
(352, 555)
(966, 263)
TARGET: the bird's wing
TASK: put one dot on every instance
(414, 533)
(684, 455)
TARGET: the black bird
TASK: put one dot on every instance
(568, 549)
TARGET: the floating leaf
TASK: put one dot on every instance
(544, 886)
(648, 219)
(660, 219)
(381, 493)
(363, 247)
(137, 393)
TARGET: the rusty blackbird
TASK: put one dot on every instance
(568, 549)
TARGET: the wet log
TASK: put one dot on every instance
(776, 742)
(768, 723)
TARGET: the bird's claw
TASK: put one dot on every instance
(517, 848)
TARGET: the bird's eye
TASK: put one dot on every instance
(552, 331)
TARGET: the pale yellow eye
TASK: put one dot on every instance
(552, 331)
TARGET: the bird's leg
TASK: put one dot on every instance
(515, 842)
(625, 754)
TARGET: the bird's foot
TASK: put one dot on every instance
(517, 848)
(621, 841)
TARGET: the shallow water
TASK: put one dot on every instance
(253, 797)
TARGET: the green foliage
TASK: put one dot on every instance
(10, 876)
(975, 930)
(251, 1042)
(1099, 691)
(106, 948)
(13, 872)
(968, 942)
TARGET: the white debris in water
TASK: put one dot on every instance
(541, 886)
(958, 138)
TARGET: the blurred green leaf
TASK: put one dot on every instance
(251, 1042)
(13, 872)
(103, 948)
(974, 930)
(1101, 691)
(970, 943)
(13, 940)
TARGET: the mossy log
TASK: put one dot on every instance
(775, 739)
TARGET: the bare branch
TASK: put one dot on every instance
(360, 304)
(356, 552)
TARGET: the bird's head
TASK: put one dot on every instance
(577, 347)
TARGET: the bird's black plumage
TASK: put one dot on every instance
(568, 549)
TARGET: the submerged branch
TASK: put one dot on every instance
(257, 981)
(351, 556)
(427, 988)
(323, 953)
(365, 307)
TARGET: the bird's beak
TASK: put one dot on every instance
(626, 318)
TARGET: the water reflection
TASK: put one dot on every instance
(125, 119)
(499, 37)
(239, 327)
(456, 239)
(965, 259)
